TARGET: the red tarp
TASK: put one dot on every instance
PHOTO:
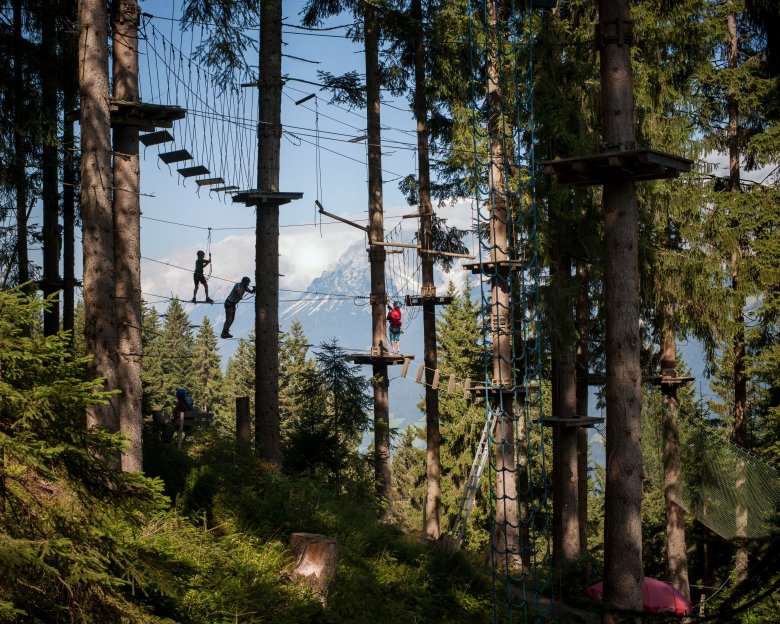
(657, 596)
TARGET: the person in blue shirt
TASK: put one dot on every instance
(231, 302)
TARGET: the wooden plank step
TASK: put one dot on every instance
(155, 138)
(188, 172)
(175, 156)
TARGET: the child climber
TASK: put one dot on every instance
(199, 278)
(394, 318)
(232, 301)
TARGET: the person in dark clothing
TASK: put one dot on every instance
(199, 278)
(232, 301)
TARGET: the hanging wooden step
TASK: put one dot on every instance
(156, 138)
(175, 156)
(188, 172)
(223, 189)
(210, 181)
(637, 164)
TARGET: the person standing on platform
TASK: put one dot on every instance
(394, 318)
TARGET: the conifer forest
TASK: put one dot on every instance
(596, 428)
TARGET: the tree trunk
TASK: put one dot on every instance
(377, 256)
(739, 377)
(623, 575)
(433, 436)
(675, 516)
(267, 236)
(70, 102)
(565, 505)
(127, 235)
(98, 231)
(20, 149)
(582, 315)
(51, 234)
(506, 526)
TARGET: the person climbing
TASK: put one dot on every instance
(199, 278)
(181, 406)
(232, 301)
(394, 318)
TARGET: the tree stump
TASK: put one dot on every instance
(317, 558)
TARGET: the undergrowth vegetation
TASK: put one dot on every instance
(201, 538)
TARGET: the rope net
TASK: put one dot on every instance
(730, 491)
(501, 91)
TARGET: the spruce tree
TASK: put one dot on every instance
(206, 382)
(239, 379)
(176, 342)
(294, 370)
(334, 414)
(461, 354)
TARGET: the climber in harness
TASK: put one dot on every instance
(394, 318)
(232, 301)
(200, 278)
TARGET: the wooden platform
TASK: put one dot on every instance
(637, 164)
(495, 391)
(587, 421)
(493, 268)
(418, 300)
(659, 380)
(388, 358)
(146, 117)
(256, 197)
(655, 380)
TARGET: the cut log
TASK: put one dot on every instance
(316, 559)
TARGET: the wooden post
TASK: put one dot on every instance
(97, 222)
(675, 515)
(127, 234)
(269, 134)
(582, 315)
(377, 256)
(507, 515)
(70, 102)
(432, 459)
(243, 425)
(623, 574)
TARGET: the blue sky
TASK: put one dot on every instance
(176, 217)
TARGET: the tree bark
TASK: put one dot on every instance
(70, 102)
(51, 234)
(267, 236)
(675, 516)
(506, 526)
(127, 235)
(623, 576)
(582, 315)
(377, 256)
(565, 504)
(433, 436)
(739, 376)
(20, 150)
(98, 231)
